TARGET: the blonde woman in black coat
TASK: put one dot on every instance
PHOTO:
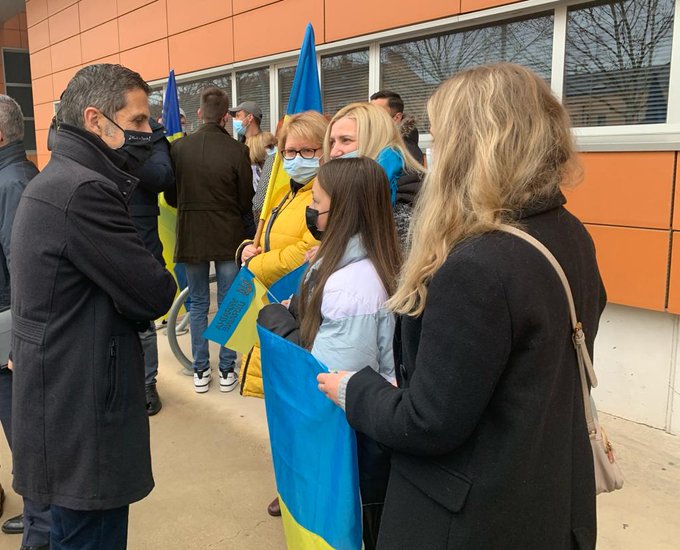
(487, 427)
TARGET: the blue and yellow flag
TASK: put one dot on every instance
(305, 95)
(171, 117)
(314, 451)
(289, 284)
(235, 323)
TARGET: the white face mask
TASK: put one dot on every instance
(301, 170)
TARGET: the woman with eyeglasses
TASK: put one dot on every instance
(285, 240)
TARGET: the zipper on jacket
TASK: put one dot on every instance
(111, 374)
(275, 214)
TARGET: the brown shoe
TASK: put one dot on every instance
(274, 508)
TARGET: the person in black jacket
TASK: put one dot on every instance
(83, 285)
(15, 173)
(487, 428)
(155, 176)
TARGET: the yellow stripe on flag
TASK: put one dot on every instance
(297, 537)
(245, 336)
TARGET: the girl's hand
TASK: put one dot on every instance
(250, 251)
(311, 254)
(329, 383)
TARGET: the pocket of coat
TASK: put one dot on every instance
(446, 487)
(111, 374)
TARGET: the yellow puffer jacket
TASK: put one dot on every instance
(285, 240)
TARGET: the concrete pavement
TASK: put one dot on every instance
(214, 477)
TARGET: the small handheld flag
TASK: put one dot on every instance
(171, 116)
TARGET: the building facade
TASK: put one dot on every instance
(615, 65)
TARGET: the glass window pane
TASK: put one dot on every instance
(344, 79)
(286, 76)
(29, 135)
(254, 86)
(618, 62)
(156, 102)
(23, 96)
(189, 94)
(17, 67)
(414, 69)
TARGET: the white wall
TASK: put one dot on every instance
(636, 352)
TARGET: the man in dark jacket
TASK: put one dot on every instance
(155, 176)
(83, 284)
(214, 194)
(15, 172)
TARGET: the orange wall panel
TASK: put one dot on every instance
(147, 24)
(39, 36)
(10, 38)
(100, 41)
(61, 79)
(183, 15)
(41, 142)
(632, 189)
(246, 5)
(42, 90)
(346, 18)
(281, 28)
(24, 40)
(207, 46)
(125, 6)
(13, 23)
(42, 161)
(54, 6)
(113, 59)
(633, 264)
(150, 60)
(66, 54)
(96, 12)
(41, 63)
(43, 114)
(674, 280)
(64, 24)
(474, 5)
(36, 11)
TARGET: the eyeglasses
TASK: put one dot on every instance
(290, 154)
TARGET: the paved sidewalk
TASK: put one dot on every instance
(214, 477)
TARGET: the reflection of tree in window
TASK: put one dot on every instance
(618, 62)
(156, 102)
(286, 75)
(254, 86)
(414, 69)
(189, 95)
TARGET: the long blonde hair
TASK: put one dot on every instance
(375, 131)
(501, 141)
(257, 146)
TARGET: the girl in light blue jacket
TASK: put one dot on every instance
(341, 306)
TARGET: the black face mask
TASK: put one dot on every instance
(137, 147)
(311, 219)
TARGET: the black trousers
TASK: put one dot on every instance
(37, 519)
(89, 530)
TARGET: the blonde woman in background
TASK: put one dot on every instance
(487, 427)
(261, 147)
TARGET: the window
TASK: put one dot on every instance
(414, 69)
(344, 79)
(618, 62)
(17, 69)
(254, 86)
(286, 76)
(189, 94)
(156, 102)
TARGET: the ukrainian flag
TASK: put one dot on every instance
(235, 323)
(314, 451)
(171, 117)
(305, 95)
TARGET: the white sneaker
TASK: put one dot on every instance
(202, 381)
(228, 381)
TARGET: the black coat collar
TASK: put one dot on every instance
(90, 151)
(12, 153)
(540, 206)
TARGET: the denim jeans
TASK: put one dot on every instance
(149, 343)
(181, 275)
(89, 530)
(199, 292)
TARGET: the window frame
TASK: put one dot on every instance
(28, 85)
(643, 137)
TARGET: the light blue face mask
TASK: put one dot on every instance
(239, 128)
(271, 151)
(351, 155)
(301, 170)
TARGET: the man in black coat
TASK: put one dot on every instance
(83, 284)
(155, 176)
(15, 172)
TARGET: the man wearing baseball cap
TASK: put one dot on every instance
(247, 117)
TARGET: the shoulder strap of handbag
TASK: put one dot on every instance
(585, 364)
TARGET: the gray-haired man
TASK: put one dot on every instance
(15, 173)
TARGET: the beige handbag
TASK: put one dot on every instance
(608, 476)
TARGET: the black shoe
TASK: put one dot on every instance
(153, 401)
(14, 526)
(41, 547)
